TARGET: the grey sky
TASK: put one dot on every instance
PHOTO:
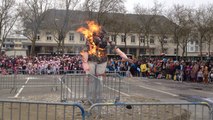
(167, 3)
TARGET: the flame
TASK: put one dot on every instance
(88, 34)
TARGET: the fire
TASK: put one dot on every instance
(88, 34)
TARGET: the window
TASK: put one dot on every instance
(49, 36)
(165, 39)
(175, 51)
(142, 51)
(196, 48)
(24, 46)
(191, 49)
(38, 37)
(132, 51)
(165, 50)
(191, 42)
(196, 42)
(132, 39)
(71, 37)
(122, 38)
(152, 41)
(82, 38)
(152, 51)
(142, 39)
(113, 38)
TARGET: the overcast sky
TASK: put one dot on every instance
(167, 3)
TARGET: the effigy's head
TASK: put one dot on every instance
(95, 35)
(100, 33)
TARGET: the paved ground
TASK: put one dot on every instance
(164, 90)
(169, 90)
(28, 86)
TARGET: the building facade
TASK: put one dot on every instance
(13, 45)
(74, 42)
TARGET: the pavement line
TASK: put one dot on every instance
(158, 83)
(158, 91)
(20, 90)
(202, 91)
(68, 89)
(117, 91)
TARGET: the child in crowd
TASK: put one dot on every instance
(200, 75)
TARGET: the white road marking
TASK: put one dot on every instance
(117, 91)
(19, 92)
(69, 90)
(149, 88)
(158, 83)
(202, 91)
(158, 90)
(104, 86)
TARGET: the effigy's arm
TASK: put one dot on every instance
(123, 55)
(119, 52)
(85, 56)
(85, 60)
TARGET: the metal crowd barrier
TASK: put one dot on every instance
(20, 110)
(76, 87)
(126, 73)
(121, 73)
(41, 72)
(7, 81)
(14, 80)
(150, 111)
(37, 81)
(17, 81)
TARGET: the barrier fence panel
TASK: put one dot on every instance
(15, 82)
(73, 87)
(37, 81)
(126, 73)
(41, 72)
(95, 89)
(19, 110)
(150, 111)
(7, 81)
(16, 79)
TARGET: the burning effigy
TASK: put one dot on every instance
(90, 33)
(97, 40)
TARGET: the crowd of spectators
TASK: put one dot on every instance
(40, 65)
(166, 68)
(159, 68)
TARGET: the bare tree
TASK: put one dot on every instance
(177, 16)
(162, 40)
(102, 7)
(61, 26)
(209, 34)
(125, 28)
(146, 18)
(33, 13)
(202, 18)
(186, 29)
(113, 24)
(184, 39)
(209, 40)
(7, 19)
